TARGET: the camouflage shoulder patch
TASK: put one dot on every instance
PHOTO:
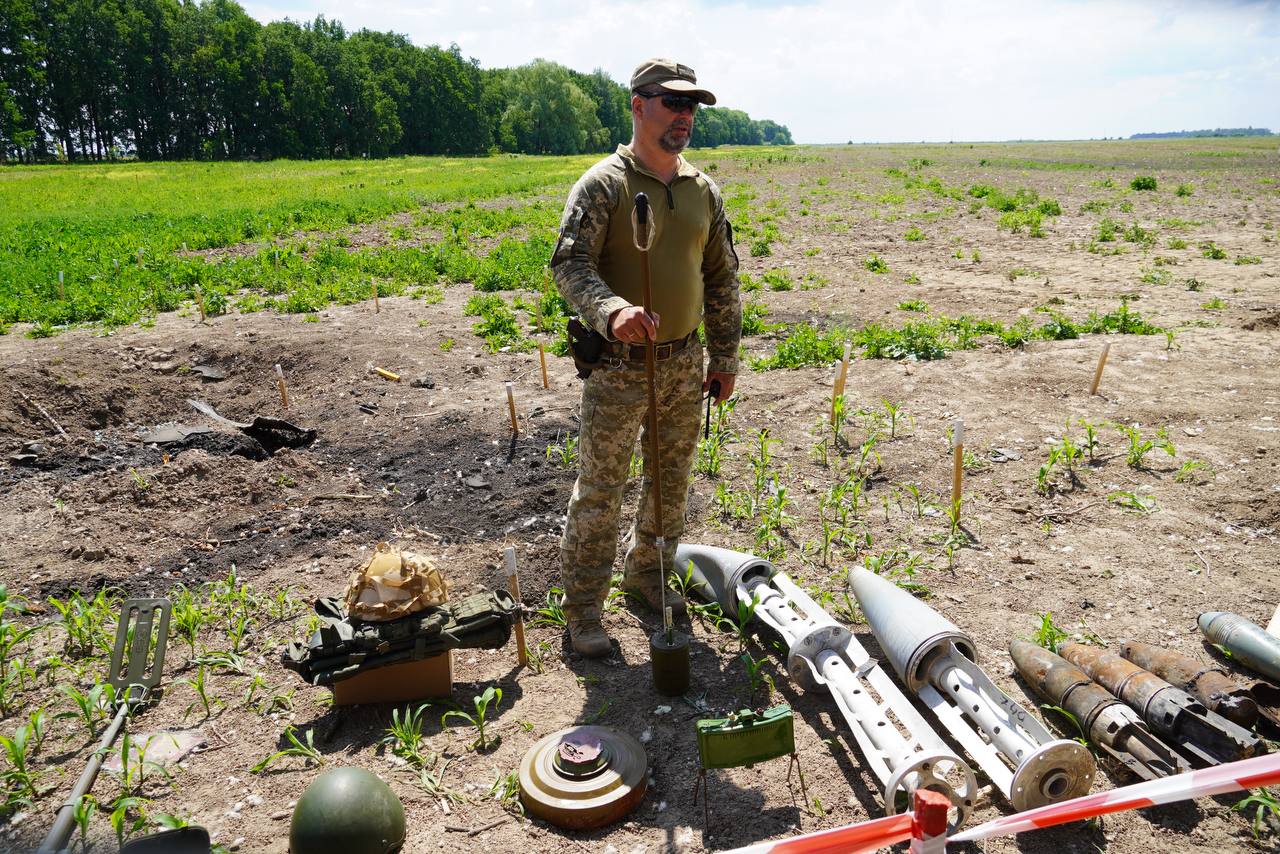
(583, 228)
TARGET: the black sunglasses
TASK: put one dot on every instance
(674, 103)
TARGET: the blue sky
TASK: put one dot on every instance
(838, 70)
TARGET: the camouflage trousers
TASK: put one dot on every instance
(615, 405)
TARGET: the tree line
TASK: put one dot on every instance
(176, 79)
(1177, 134)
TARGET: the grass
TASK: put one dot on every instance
(805, 345)
(127, 237)
(304, 748)
(1049, 635)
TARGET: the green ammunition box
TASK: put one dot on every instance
(746, 737)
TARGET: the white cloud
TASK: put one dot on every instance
(834, 70)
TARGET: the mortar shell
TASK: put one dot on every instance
(1247, 642)
(1126, 680)
(1061, 682)
(1211, 684)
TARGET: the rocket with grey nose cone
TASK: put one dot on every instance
(938, 662)
(895, 739)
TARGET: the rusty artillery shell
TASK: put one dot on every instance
(1248, 643)
(1109, 723)
(1211, 684)
(1173, 714)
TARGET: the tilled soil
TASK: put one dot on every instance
(430, 463)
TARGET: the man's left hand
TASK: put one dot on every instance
(726, 384)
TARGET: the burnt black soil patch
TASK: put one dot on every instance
(68, 461)
(466, 485)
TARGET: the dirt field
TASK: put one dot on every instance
(101, 509)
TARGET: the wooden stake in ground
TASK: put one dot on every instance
(43, 412)
(200, 302)
(284, 392)
(957, 471)
(837, 388)
(377, 309)
(1102, 363)
(511, 405)
(62, 294)
(542, 358)
(513, 586)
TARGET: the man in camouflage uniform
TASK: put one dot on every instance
(597, 268)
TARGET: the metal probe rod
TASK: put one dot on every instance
(642, 241)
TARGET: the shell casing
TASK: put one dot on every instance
(1211, 684)
(1108, 722)
(1173, 714)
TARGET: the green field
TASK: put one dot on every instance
(116, 233)
(285, 236)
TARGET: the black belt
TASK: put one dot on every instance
(662, 351)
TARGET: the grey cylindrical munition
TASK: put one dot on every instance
(1205, 737)
(1247, 642)
(938, 661)
(908, 630)
(716, 573)
(1211, 684)
(1109, 723)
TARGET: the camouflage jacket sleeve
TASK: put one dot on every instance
(575, 261)
(722, 307)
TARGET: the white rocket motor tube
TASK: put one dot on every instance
(934, 658)
(899, 746)
(716, 572)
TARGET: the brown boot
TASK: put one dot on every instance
(651, 595)
(588, 638)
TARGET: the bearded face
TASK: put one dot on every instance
(675, 138)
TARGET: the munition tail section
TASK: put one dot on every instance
(1181, 720)
(1109, 723)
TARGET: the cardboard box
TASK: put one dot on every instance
(397, 683)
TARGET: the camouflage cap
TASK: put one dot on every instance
(670, 75)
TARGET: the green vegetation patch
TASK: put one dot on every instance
(118, 233)
(804, 345)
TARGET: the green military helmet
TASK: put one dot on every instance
(347, 811)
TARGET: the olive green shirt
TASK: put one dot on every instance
(692, 264)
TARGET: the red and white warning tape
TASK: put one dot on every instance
(926, 828)
(879, 833)
(1231, 777)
